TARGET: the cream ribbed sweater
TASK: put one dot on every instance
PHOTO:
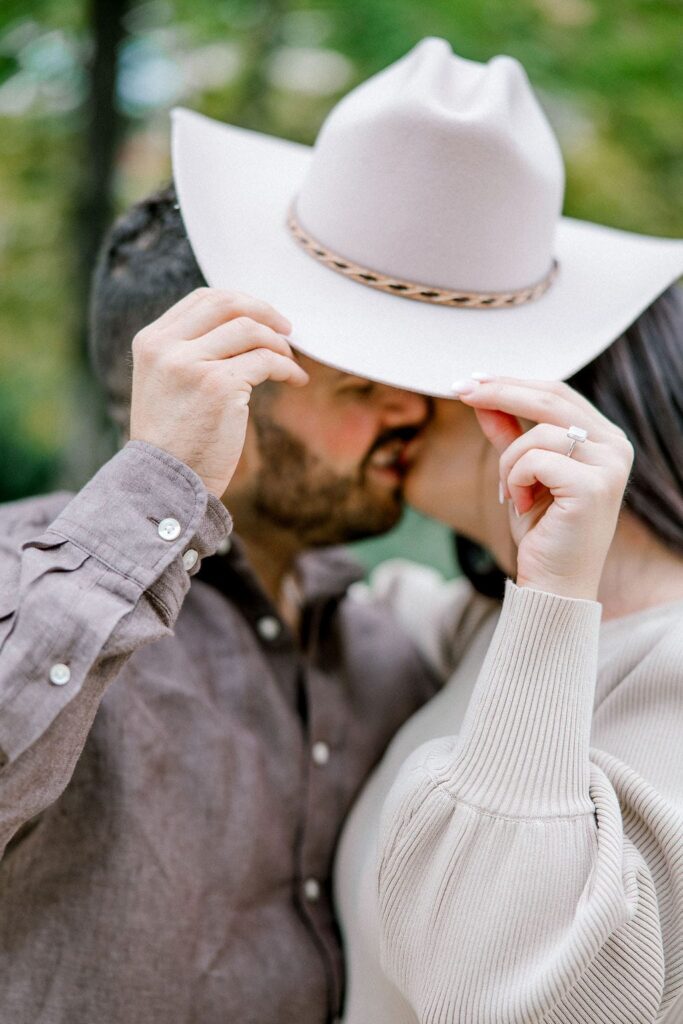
(530, 868)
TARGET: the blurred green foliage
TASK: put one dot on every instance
(609, 73)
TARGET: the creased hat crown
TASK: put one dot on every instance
(439, 170)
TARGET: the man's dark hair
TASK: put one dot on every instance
(145, 265)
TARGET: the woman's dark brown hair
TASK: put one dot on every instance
(638, 384)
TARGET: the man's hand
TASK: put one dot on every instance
(193, 373)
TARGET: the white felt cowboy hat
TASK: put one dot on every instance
(421, 238)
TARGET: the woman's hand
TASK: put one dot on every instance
(564, 509)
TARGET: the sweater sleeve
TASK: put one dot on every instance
(525, 877)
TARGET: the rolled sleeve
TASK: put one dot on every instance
(78, 604)
(116, 516)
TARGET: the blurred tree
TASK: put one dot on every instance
(102, 132)
(28, 467)
(85, 88)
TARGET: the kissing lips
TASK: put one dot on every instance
(391, 461)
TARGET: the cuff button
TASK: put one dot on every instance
(268, 627)
(224, 546)
(60, 674)
(190, 558)
(169, 529)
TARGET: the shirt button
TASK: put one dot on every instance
(268, 627)
(224, 546)
(60, 674)
(168, 529)
(312, 890)
(190, 558)
(320, 752)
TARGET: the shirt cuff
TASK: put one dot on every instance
(86, 573)
(523, 748)
(116, 517)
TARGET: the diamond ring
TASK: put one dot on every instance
(577, 435)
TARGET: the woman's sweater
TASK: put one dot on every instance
(528, 865)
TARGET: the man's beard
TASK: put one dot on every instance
(297, 492)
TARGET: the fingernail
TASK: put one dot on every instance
(482, 377)
(463, 387)
(501, 492)
(516, 509)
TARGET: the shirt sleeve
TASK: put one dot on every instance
(78, 597)
(524, 877)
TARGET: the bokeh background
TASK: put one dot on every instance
(85, 90)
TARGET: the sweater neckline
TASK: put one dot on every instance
(662, 610)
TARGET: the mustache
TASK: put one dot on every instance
(402, 434)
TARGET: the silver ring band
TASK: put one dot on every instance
(577, 435)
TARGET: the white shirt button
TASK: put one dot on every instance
(312, 890)
(60, 674)
(320, 752)
(268, 627)
(168, 529)
(190, 558)
(224, 546)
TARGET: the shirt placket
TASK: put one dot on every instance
(320, 736)
(321, 811)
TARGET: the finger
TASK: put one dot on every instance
(563, 477)
(205, 308)
(549, 438)
(238, 336)
(262, 364)
(499, 428)
(537, 405)
(553, 439)
(553, 387)
(557, 387)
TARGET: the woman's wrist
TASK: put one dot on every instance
(576, 588)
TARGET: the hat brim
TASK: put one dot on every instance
(235, 187)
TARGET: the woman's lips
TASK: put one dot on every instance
(411, 451)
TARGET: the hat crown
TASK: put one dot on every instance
(439, 170)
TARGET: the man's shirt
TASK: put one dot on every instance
(176, 765)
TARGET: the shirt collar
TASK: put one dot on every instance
(323, 574)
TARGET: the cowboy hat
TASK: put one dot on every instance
(421, 238)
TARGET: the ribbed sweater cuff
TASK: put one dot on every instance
(523, 748)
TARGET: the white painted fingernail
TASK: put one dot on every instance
(482, 377)
(501, 492)
(463, 387)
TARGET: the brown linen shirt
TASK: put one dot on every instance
(170, 801)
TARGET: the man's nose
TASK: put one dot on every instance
(401, 407)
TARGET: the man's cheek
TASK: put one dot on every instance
(340, 447)
(349, 439)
